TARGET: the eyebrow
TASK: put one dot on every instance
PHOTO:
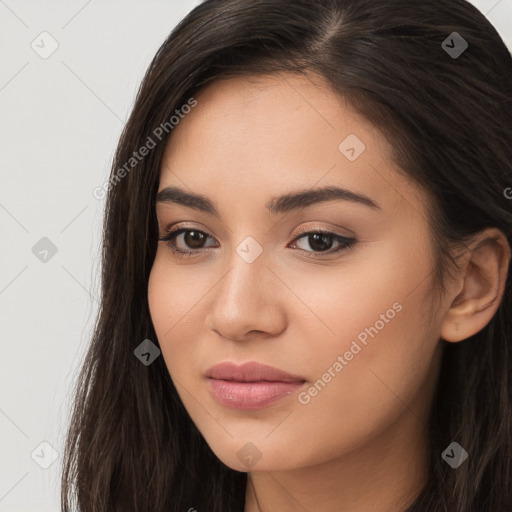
(280, 204)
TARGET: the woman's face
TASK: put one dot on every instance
(350, 322)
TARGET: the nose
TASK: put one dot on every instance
(247, 301)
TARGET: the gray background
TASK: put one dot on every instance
(61, 117)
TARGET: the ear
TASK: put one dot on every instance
(480, 286)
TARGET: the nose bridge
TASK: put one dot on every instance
(242, 300)
(247, 268)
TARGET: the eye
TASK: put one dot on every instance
(193, 239)
(192, 242)
(322, 242)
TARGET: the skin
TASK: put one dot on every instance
(359, 444)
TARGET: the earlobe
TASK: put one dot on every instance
(483, 278)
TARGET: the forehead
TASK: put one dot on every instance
(272, 133)
(281, 108)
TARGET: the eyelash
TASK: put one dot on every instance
(345, 242)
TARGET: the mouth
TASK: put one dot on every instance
(251, 385)
(250, 395)
(251, 372)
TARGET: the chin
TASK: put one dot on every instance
(247, 456)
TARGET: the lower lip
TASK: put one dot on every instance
(250, 395)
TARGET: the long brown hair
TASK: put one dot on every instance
(131, 444)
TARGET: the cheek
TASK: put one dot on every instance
(172, 292)
(174, 299)
(372, 294)
(371, 308)
(163, 303)
(160, 295)
(378, 356)
(359, 389)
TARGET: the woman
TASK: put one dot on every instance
(306, 293)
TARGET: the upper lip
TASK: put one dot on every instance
(250, 372)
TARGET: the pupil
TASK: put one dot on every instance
(317, 237)
(196, 238)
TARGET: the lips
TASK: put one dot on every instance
(251, 385)
(250, 372)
